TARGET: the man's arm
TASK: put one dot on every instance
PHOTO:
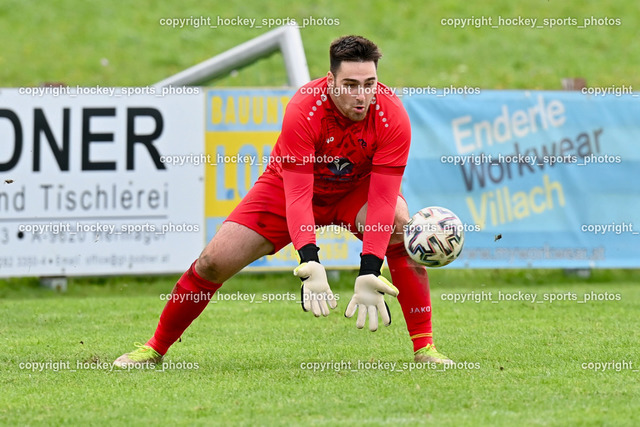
(386, 175)
(389, 162)
(297, 142)
(384, 188)
(298, 191)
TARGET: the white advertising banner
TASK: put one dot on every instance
(101, 181)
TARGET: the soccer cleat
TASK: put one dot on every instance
(431, 355)
(142, 357)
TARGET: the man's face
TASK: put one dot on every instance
(353, 87)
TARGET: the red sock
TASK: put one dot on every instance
(189, 298)
(414, 298)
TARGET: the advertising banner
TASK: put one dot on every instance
(122, 182)
(540, 179)
(99, 183)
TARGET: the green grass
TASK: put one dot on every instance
(249, 356)
(240, 362)
(68, 40)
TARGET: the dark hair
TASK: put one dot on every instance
(352, 48)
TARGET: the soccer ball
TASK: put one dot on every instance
(434, 236)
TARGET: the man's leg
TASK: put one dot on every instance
(412, 281)
(256, 227)
(232, 248)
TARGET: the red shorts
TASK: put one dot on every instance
(263, 210)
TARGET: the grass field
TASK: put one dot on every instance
(69, 41)
(518, 362)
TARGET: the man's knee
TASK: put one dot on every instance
(208, 267)
(400, 220)
(232, 248)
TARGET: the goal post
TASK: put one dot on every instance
(286, 39)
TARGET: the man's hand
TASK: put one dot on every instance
(369, 298)
(315, 291)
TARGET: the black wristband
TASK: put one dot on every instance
(370, 264)
(309, 252)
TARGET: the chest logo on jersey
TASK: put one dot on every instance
(340, 166)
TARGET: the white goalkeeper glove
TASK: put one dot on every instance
(368, 297)
(315, 291)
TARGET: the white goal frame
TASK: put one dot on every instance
(285, 39)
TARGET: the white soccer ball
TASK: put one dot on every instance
(434, 236)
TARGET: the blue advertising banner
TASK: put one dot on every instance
(540, 179)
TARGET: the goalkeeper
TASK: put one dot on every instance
(339, 160)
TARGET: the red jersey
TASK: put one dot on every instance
(330, 154)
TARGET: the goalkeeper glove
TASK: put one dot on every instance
(315, 291)
(369, 293)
